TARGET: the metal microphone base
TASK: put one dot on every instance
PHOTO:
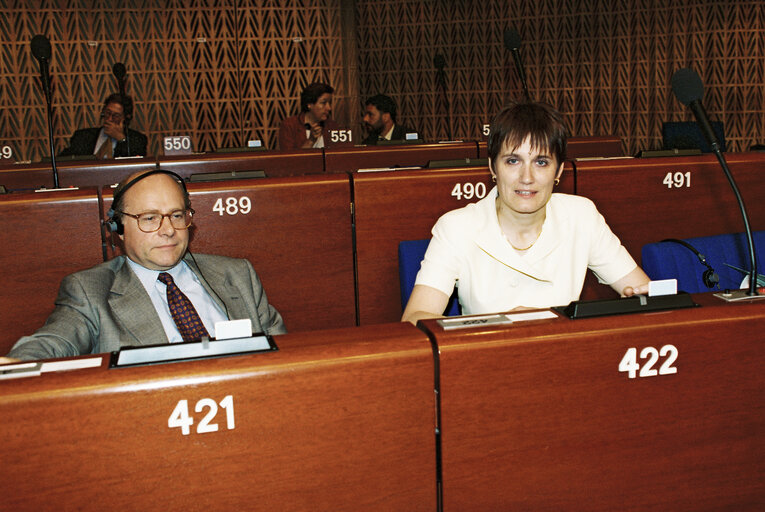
(737, 295)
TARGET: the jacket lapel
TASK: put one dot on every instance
(134, 310)
(220, 288)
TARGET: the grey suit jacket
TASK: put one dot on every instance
(106, 307)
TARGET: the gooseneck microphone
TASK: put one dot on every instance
(513, 43)
(120, 72)
(689, 90)
(41, 51)
(440, 62)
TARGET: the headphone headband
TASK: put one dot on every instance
(709, 277)
(114, 224)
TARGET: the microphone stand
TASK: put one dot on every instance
(45, 79)
(442, 83)
(752, 291)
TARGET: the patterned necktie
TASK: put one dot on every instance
(184, 315)
(105, 151)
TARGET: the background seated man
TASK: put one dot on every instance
(159, 292)
(380, 120)
(110, 139)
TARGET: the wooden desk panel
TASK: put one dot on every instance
(102, 173)
(582, 147)
(403, 205)
(44, 236)
(273, 163)
(297, 235)
(26, 176)
(334, 420)
(641, 209)
(537, 416)
(85, 173)
(351, 159)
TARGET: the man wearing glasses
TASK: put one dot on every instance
(113, 138)
(158, 292)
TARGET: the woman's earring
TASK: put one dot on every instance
(557, 181)
(493, 178)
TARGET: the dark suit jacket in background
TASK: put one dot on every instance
(106, 307)
(83, 143)
(399, 133)
(292, 132)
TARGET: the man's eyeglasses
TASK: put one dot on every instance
(114, 116)
(151, 221)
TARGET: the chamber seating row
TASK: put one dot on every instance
(326, 246)
(273, 164)
(543, 414)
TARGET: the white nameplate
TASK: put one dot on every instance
(663, 287)
(233, 329)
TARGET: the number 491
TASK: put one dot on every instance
(630, 365)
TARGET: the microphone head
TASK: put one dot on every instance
(512, 39)
(687, 86)
(119, 70)
(41, 47)
(439, 61)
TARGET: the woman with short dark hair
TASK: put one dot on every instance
(310, 128)
(522, 246)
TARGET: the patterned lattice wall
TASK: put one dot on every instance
(606, 64)
(221, 71)
(225, 71)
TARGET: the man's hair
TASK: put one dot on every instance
(126, 101)
(384, 104)
(312, 93)
(535, 120)
(118, 195)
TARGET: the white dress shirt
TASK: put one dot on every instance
(207, 308)
(468, 249)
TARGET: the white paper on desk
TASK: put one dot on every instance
(449, 324)
(71, 364)
(381, 169)
(531, 315)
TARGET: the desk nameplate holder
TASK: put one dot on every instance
(190, 351)
(624, 305)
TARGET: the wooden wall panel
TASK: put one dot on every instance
(225, 71)
(221, 71)
(605, 65)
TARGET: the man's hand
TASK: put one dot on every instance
(114, 130)
(8, 360)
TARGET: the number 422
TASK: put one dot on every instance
(630, 365)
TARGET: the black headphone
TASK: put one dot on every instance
(709, 277)
(113, 222)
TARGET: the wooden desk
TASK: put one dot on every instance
(102, 173)
(580, 147)
(297, 234)
(44, 236)
(537, 415)
(273, 163)
(334, 420)
(404, 205)
(83, 173)
(350, 159)
(26, 176)
(639, 206)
